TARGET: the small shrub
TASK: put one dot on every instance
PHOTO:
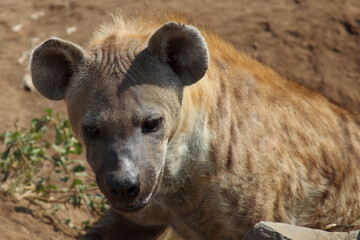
(47, 173)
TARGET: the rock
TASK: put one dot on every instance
(71, 30)
(37, 15)
(353, 235)
(17, 28)
(281, 231)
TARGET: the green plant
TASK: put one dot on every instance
(46, 172)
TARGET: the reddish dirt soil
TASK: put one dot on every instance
(316, 43)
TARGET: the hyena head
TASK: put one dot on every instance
(123, 98)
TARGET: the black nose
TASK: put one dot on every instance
(122, 187)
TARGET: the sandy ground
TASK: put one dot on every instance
(316, 43)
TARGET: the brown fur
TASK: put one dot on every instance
(246, 145)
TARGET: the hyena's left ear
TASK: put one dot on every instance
(183, 48)
(53, 63)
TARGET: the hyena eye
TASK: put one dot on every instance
(151, 125)
(92, 131)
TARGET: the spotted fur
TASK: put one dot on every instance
(246, 145)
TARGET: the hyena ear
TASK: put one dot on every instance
(183, 48)
(53, 63)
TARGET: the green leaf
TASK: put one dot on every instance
(80, 174)
(76, 182)
(47, 144)
(59, 136)
(6, 153)
(59, 149)
(34, 123)
(104, 207)
(68, 222)
(68, 142)
(82, 188)
(85, 224)
(52, 186)
(99, 195)
(35, 151)
(78, 148)
(78, 168)
(10, 138)
(49, 112)
(64, 178)
(39, 185)
(58, 116)
(66, 123)
(17, 155)
(91, 205)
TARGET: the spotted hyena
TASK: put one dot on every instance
(182, 130)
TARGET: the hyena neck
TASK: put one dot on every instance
(188, 149)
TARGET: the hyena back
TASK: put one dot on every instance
(182, 130)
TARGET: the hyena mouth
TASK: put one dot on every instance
(142, 204)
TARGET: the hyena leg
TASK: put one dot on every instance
(114, 226)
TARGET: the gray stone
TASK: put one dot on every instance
(262, 231)
(281, 231)
(354, 235)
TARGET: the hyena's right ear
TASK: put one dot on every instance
(183, 48)
(53, 63)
